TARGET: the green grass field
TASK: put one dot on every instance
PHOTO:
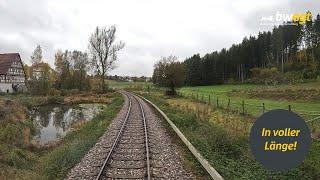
(228, 153)
(254, 105)
(211, 134)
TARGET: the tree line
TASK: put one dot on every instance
(289, 52)
(75, 70)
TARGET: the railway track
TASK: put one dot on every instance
(129, 154)
(135, 146)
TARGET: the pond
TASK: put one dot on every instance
(54, 122)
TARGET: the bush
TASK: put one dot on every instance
(16, 133)
(293, 77)
(65, 92)
(54, 92)
(74, 91)
(55, 100)
(273, 76)
(265, 76)
(310, 71)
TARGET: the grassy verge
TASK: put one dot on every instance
(188, 160)
(18, 162)
(229, 153)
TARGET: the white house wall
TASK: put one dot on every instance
(4, 87)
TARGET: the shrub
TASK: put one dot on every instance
(310, 71)
(273, 76)
(16, 133)
(74, 91)
(293, 77)
(55, 100)
(265, 76)
(65, 92)
(54, 92)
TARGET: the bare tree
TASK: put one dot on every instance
(103, 50)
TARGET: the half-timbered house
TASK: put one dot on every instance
(12, 74)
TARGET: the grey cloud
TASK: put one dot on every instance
(31, 21)
(68, 24)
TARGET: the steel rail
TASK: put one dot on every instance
(213, 173)
(116, 140)
(146, 137)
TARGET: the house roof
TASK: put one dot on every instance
(6, 61)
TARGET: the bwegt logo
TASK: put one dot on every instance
(290, 19)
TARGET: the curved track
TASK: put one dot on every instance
(129, 154)
(134, 146)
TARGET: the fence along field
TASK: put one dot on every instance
(246, 109)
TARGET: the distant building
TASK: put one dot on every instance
(38, 70)
(12, 74)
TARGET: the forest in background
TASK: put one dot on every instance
(290, 53)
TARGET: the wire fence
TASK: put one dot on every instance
(312, 118)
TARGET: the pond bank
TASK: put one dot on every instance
(53, 122)
(23, 162)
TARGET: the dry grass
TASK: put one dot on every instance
(88, 98)
(12, 111)
(78, 124)
(234, 125)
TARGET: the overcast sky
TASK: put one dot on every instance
(150, 28)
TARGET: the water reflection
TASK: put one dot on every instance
(53, 122)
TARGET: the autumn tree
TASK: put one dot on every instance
(104, 52)
(80, 69)
(71, 69)
(42, 78)
(169, 72)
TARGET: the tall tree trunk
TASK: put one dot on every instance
(278, 61)
(172, 89)
(312, 54)
(242, 73)
(103, 82)
(282, 70)
(238, 70)
(80, 80)
(300, 56)
(287, 55)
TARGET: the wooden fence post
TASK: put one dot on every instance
(217, 102)
(263, 108)
(243, 107)
(229, 104)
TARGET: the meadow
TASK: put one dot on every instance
(222, 138)
(240, 92)
(221, 134)
(253, 100)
